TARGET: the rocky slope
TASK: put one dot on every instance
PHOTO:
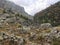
(13, 7)
(16, 29)
(17, 34)
(49, 15)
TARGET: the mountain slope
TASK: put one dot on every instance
(13, 7)
(12, 13)
(49, 15)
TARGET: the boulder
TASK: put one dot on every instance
(45, 26)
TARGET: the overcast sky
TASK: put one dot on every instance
(34, 6)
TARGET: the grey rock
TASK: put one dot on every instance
(21, 41)
(45, 26)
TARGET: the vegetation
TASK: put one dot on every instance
(49, 15)
(56, 41)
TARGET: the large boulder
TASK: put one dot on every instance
(45, 26)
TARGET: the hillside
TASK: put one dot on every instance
(17, 29)
(49, 15)
(13, 7)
